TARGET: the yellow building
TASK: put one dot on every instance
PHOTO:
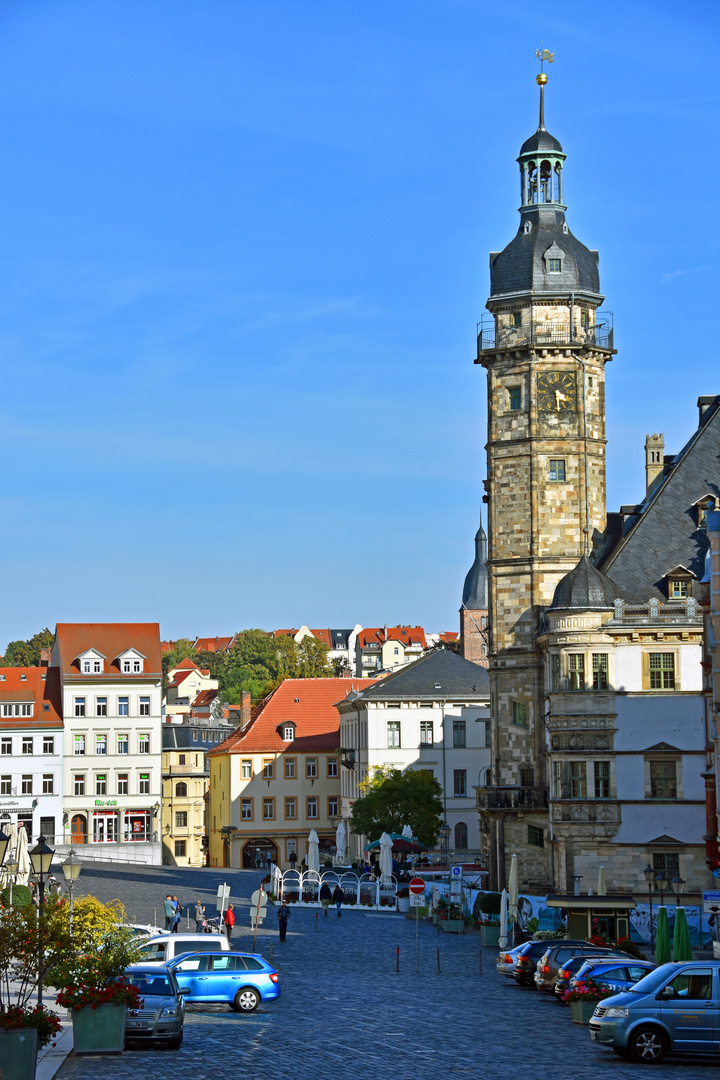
(185, 785)
(278, 776)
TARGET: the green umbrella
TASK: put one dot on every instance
(681, 937)
(662, 937)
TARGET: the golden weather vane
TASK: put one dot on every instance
(543, 55)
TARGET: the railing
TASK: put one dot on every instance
(599, 336)
(511, 798)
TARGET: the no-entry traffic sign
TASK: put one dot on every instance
(417, 886)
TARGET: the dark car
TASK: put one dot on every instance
(615, 974)
(573, 965)
(526, 960)
(162, 1006)
(553, 960)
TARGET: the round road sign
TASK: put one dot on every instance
(417, 886)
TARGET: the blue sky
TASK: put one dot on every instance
(244, 248)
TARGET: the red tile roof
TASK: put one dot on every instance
(204, 698)
(167, 646)
(216, 644)
(42, 691)
(308, 703)
(408, 635)
(110, 639)
(448, 635)
(186, 665)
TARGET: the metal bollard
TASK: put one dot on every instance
(397, 958)
(271, 953)
(316, 915)
(438, 961)
(479, 961)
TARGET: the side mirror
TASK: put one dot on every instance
(666, 993)
(182, 990)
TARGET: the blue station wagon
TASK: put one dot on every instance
(243, 980)
(676, 1007)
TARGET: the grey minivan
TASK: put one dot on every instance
(676, 1007)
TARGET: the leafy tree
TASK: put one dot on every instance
(27, 653)
(182, 649)
(398, 798)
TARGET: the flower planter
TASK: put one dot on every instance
(18, 1054)
(490, 934)
(581, 1011)
(100, 1030)
(453, 926)
(403, 903)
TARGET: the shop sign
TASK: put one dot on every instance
(13, 806)
(106, 802)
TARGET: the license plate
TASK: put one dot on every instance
(137, 1023)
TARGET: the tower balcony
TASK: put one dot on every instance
(544, 335)
(511, 798)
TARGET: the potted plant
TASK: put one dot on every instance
(439, 910)
(403, 900)
(489, 906)
(452, 920)
(584, 997)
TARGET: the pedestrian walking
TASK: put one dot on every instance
(169, 909)
(199, 916)
(325, 896)
(338, 896)
(292, 858)
(176, 916)
(229, 920)
(283, 916)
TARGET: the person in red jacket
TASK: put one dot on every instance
(229, 920)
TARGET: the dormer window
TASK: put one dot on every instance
(554, 266)
(701, 509)
(677, 589)
(527, 228)
(130, 662)
(288, 733)
(553, 259)
(91, 662)
(679, 583)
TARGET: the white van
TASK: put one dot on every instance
(159, 950)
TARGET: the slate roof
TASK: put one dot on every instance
(307, 703)
(584, 588)
(665, 533)
(475, 589)
(541, 140)
(180, 737)
(456, 676)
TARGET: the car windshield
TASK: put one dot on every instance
(654, 980)
(151, 985)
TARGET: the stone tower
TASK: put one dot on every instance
(474, 607)
(545, 354)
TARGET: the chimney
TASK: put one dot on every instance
(705, 407)
(245, 700)
(654, 460)
(45, 657)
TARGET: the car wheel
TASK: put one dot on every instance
(175, 1044)
(246, 1000)
(648, 1045)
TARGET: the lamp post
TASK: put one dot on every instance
(71, 870)
(677, 885)
(12, 869)
(650, 878)
(41, 858)
(444, 842)
(662, 883)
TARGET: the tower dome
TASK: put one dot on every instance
(475, 589)
(584, 588)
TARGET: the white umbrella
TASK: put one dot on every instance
(602, 889)
(513, 893)
(11, 832)
(503, 919)
(313, 859)
(385, 856)
(23, 859)
(407, 831)
(340, 844)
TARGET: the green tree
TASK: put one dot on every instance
(399, 798)
(181, 650)
(27, 653)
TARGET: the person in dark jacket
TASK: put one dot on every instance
(283, 916)
(338, 896)
(325, 896)
(292, 859)
(199, 917)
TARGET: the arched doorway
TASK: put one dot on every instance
(78, 829)
(258, 854)
(461, 835)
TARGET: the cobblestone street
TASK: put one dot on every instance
(345, 1010)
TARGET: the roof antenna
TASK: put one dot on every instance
(541, 79)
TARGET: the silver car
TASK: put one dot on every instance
(162, 1008)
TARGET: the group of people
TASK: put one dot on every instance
(173, 911)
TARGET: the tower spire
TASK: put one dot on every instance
(541, 79)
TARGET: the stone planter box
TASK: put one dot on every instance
(581, 1011)
(100, 1030)
(18, 1054)
(490, 934)
(453, 926)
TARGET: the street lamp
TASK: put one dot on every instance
(12, 868)
(662, 883)
(650, 878)
(677, 885)
(41, 858)
(444, 842)
(71, 870)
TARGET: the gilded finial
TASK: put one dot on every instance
(541, 79)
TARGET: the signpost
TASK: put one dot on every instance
(223, 894)
(417, 900)
(258, 901)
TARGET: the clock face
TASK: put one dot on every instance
(557, 391)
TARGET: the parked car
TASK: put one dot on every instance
(144, 930)
(243, 980)
(676, 1007)
(162, 1009)
(507, 958)
(553, 960)
(615, 974)
(573, 965)
(159, 950)
(526, 961)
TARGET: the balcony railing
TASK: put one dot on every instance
(511, 798)
(599, 336)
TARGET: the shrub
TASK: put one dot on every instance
(47, 1023)
(489, 903)
(21, 896)
(550, 935)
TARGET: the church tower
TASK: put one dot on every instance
(545, 354)
(474, 607)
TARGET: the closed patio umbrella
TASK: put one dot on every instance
(662, 937)
(502, 941)
(340, 843)
(23, 859)
(386, 845)
(313, 858)
(12, 834)
(602, 888)
(513, 893)
(407, 831)
(681, 937)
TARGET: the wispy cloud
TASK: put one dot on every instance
(681, 273)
